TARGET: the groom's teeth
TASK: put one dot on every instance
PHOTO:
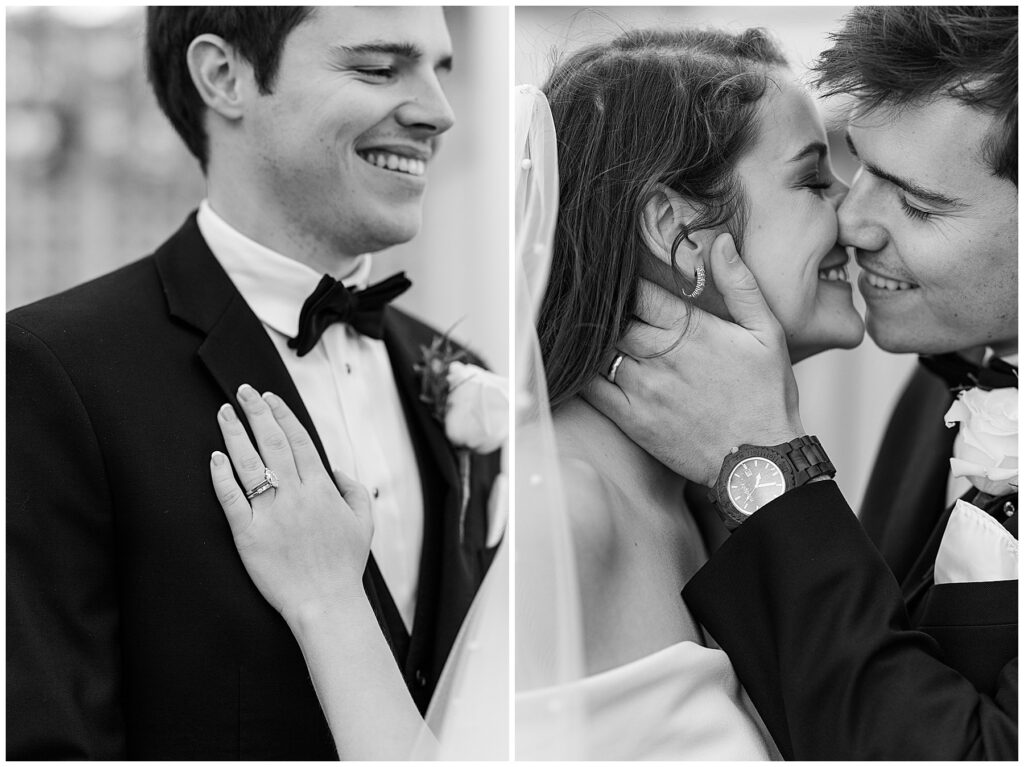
(395, 162)
(885, 283)
(835, 274)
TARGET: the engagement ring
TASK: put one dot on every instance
(269, 482)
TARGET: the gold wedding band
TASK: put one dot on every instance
(615, 367)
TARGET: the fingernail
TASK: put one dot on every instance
(246, 393)
(731, 254)
(272, 399)
(227, 412)
(218, 458)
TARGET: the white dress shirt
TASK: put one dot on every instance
(348, 387)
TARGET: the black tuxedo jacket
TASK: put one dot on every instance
(133, 630)
(845, 660)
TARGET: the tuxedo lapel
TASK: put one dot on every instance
(237, 350)
(438, 476)
(450, 566)
(405, 354)
(906, 494)
(922, 575)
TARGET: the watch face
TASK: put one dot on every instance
(753, 483)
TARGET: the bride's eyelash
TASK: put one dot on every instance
(915, 213)
(816, 183)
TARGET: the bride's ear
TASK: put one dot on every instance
(665, 215)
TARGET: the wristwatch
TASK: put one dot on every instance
(754, 475)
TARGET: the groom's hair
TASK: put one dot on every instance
(895, 56)
(652, 107)
(257, 33)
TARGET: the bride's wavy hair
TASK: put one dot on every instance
(650, 107)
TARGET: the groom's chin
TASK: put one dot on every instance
(390, 228)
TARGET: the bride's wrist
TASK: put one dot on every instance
(312, 615)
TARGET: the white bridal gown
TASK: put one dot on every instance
(681, 703)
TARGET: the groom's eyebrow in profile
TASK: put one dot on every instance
(403, 50)
(936, 198)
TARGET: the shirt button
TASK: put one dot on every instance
(421, 678)
(348, 368)
(376, 492)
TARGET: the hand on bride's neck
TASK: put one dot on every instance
(584, 432)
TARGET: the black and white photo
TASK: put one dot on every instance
(707, 591)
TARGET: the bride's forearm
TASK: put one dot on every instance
(369, 710)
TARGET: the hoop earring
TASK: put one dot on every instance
(698, 275)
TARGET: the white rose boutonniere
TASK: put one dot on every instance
(470, 402)
(985, 450)
(477, 415)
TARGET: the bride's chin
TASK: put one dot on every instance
(844, 332)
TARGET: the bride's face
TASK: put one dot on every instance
(789, 240)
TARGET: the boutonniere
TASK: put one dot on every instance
(985, 450)
(470, 402)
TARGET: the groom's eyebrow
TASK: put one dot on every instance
(403, 50)
(918, 191)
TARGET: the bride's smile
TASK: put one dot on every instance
(789, 234)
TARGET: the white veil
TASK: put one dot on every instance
(468, 716)
(549, 643)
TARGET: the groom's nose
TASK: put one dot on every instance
(859, 224)
(427, 107)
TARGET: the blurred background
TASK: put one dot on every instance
(96, 176)
(846, 397)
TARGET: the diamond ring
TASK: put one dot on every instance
(269, 482)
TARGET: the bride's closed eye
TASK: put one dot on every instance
(817, 182)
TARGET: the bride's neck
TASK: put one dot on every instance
(589, 434)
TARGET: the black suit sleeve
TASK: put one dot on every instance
(816, 627)
(63, 656)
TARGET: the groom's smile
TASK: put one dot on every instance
(875, 278)
(405, 160)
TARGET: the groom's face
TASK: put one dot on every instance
(934, 229)
(344, 142)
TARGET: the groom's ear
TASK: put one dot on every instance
(664, 217)
(219, 75)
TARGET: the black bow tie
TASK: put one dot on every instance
(332, 302)
(959, 373)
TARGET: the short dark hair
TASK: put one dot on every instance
(650, 107)
(257, 33)
(895, 56)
